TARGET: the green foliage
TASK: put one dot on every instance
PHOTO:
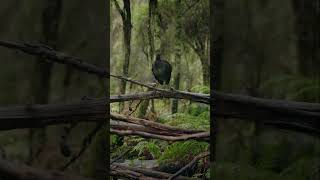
(149, 146)
(198, 110)
(197, 120)
(181, 152)
(201, 89)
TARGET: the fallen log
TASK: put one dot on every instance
(140, 173)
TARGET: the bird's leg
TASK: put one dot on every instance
(168, 87)
(154, 85)
(165, 86)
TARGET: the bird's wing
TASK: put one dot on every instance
(155, 72)
(168, 71)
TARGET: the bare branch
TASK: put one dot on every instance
(195, 160)
(160, 94)
(152, 124)
(140, 173)
(121, 12)
(203, 136)
(85, 143)
(120, 156)
(55, 56)
(297, 116)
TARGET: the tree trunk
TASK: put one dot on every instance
(205, 69)
(151, 27)
(41, 83)
(174, 108)
(127, 27)
(177, 61)
(151, 19)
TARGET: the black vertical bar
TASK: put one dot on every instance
(107, 27)
(216, 58)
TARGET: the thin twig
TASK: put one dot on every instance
(136, 107)
(85, 143)
(121, 12)
(59, 57)
(120, 156)
(190, 164)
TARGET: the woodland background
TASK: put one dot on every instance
(270, 50)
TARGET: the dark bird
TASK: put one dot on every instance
(161, 70)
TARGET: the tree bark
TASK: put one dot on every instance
(151, 26)
(42, 77)
(127, 26)
(205, 68)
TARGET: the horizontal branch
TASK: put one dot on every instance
(197, 97)
(55, 56)
(151, 124)
(189, 165)
(9, 170)
(149, 129)
(296, 116)
(197, 136)
(78, 63)
(36, 116)
(120, 170)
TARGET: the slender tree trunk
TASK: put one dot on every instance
(205, 69)
(151, 19)
(127, 27)
(151, 27)
(50, 22)
(177, 73)
(175, 105)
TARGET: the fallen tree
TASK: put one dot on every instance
(297, 116)
(119, 170)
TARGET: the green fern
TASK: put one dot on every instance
(182, 152)
(151, 147)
